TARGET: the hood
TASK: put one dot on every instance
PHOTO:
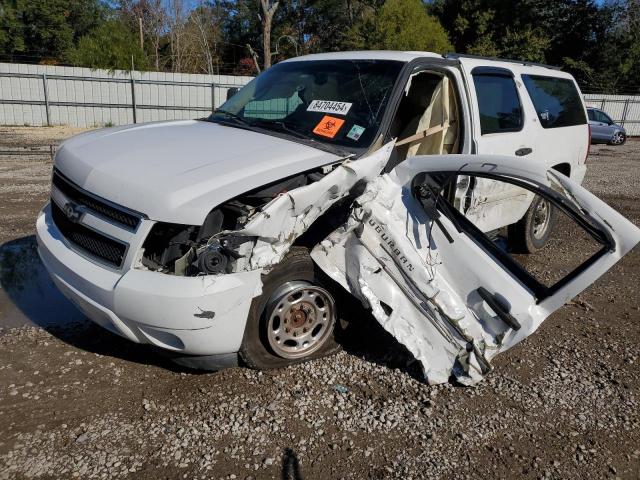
(178, 171)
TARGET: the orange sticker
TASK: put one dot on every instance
(328, 126)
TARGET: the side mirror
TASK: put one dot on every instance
(231, 91)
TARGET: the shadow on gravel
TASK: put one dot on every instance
(290, 465)
(365, 338)
(29, 297)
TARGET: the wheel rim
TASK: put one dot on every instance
(617, 138)
(541, 219)
(301, 317)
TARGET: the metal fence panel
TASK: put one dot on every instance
(51, 95)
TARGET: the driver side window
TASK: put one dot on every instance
(602, 117)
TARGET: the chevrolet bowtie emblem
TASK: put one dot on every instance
(72, 211)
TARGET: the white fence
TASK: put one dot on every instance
(50, 95)
(623, 109)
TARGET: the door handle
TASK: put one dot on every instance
(501, 310)
(521, 152)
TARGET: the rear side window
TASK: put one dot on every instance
(498, 102)
(556, 101)
(600, 116)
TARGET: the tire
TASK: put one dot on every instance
(533, 230)
(619, 138)
(264, 346)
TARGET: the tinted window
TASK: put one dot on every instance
(601, 116)
(499, 104)
(591, 115)
(556, 101)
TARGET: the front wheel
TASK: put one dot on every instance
(532, 232)
(294, 318)
(618, 138)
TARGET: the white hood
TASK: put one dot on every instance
(178, 171)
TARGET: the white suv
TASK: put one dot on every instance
(390, 173)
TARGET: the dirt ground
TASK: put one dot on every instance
(79, 402)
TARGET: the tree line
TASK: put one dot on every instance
(598, 41)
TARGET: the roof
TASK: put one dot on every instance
(469, 61)
(367, 55)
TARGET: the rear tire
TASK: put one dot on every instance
(533, 230)
(292, 308)
(619, 138)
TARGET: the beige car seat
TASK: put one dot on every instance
(435, 132)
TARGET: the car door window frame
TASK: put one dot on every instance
(497, 72)
(424, 63)
(606, 118)
(464, 225)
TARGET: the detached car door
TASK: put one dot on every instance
(452, 295)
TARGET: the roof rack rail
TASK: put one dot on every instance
(509, 60)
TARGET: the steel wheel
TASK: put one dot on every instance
(618, 138)
(300, 319)
(541, 219)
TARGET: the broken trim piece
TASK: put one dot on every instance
(276, 227)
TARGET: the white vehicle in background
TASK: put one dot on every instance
(223, 239)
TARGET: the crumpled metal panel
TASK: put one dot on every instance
(377, 257)
(289, 215)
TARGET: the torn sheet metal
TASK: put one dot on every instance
(422, 280)
(288, 216)
(375, 257)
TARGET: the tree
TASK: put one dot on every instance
(153, 16)
(11, 39)
(268, 11)
(203, 36)
(111, 46)
(43, 30)
(406, 25)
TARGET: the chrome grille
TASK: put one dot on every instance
(122, 216)
(94, 243)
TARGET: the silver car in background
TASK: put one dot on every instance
(605, 130)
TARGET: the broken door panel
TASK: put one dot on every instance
(437, 283)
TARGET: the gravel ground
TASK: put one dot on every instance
(78, 402)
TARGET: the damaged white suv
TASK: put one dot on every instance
(408, 178)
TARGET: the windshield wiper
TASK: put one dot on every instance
(232, 115)
(281, 126)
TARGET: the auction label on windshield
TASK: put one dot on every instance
(328, 126)
(329, 106)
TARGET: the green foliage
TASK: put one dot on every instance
(406, 25)
(599, 42)
(11, 41)
(526, 44)
(109, 46)
(45, 29)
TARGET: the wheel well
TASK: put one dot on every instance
(563, 168)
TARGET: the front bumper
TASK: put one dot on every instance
(200, 316)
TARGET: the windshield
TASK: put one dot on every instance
(335, 102)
